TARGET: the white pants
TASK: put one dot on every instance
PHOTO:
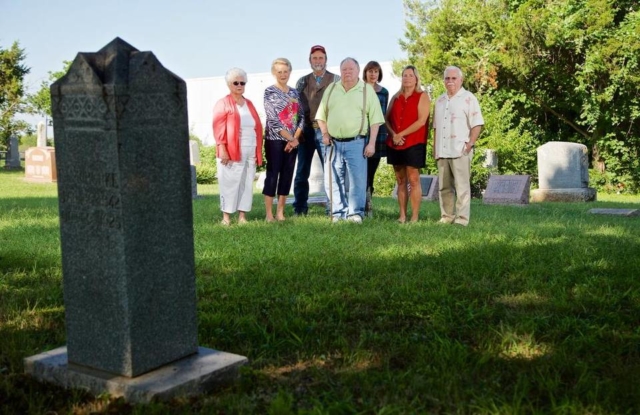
(235, 182)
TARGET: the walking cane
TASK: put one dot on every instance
(330, 180)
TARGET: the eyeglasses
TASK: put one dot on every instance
(446, 79)
(236, 83)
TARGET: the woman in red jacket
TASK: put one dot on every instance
(407, 118)
(238, 133)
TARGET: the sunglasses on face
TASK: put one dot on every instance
(236, 83)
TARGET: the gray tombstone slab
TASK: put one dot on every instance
(42, 134)
(194, 182)
(616, 212)
(507, 190)
(13, 157)
(126, 220)
(563, 173)
(430, 188)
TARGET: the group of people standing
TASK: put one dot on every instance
(351, 123)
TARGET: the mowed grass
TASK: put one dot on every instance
(530, 309)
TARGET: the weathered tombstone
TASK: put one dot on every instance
(316, 177)
(563, 173)
(490, 159)
(507, 190)
(42, 135)
(13, 158)
(429, 185)
(126, 228)
(40, 165)
(194, 152)
(194, 182)
(317, 195)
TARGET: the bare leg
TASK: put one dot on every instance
(413, 176)
(226, 218)
(242, 217)
(401, 179)
(282, 200)
(268, 206)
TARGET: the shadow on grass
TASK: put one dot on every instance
(514, 323)
(533, 312)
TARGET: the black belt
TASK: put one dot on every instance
(344, 140)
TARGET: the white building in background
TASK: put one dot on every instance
(203, 93)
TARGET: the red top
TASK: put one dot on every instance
(402, 113)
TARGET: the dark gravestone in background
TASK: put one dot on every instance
(429, 185)
(122, 148)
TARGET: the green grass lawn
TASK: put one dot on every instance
(530, 309)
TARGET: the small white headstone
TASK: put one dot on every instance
(42, 134)
(194, 152)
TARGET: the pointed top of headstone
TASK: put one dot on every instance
(117, 63)
(115, 57)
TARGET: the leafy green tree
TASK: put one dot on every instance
(12, 94)
(41, 100)
(546, 70)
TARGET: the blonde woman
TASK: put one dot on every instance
(407, 118)
(284, 126)
(238, 133)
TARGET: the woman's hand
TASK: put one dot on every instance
(291, 145)
(398, 140)
(224, 156)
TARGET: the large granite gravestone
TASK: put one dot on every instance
(507, 190)
(12, 161)
(126, 229)
(429, 185)
(563, 173)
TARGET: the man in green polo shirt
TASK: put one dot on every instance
(348, 110)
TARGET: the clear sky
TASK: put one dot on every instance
(203, 38)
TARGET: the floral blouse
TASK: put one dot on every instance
(283, 112)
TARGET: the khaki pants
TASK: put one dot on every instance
(454, 176)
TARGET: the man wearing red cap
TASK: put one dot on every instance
(311, 87)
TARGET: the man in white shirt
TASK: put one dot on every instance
(457, 124)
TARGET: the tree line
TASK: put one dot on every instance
(544, 70)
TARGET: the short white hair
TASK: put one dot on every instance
(233, 73)
(452, 68)
(350, 59)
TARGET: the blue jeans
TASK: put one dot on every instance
(312, 142)
(347, 165)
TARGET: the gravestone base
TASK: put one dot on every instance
(583, 194)
(189, 376)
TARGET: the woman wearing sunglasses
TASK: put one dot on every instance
(238, 133)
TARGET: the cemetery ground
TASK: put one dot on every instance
(531, 309)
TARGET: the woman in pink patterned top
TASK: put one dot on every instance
(284, 127)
